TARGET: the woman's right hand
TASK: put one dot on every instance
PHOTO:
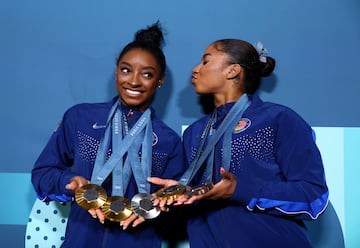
(76, 183)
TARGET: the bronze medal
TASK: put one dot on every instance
(171, 192)
(199, 190)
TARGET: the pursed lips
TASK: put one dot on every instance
(193, 78)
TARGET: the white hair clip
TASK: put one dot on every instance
(262, 51)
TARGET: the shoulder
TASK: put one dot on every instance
(272, 109)
(86, 114)
(276, 115)
(197, 126)
(89, 107)
(162, 129)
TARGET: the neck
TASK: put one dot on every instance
(224, 99)
(141, 108)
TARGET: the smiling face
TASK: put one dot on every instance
(137, 76)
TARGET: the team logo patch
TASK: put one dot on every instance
(242, 125)
(155, 139)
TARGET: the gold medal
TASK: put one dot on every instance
(171, 193)
(117, 208)
(90, 196)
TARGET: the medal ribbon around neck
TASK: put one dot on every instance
(141, 168)
(226, 128)
(120, 145)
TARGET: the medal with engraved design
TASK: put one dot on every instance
(171, 193)
(117, 208)
(90, 196)
(200, 190)
(142, 204)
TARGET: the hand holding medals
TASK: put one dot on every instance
(174, 192)
(118, 208)
(177, 194)
(115, 208)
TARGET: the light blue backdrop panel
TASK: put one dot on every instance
(20, 194)
(352, 196)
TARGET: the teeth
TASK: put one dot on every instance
(133, 92)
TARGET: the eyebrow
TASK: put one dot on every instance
(206, 55)
(144, 68)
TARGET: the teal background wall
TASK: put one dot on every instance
(54, 54)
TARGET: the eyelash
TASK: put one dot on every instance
(147, 75)
(124, 70)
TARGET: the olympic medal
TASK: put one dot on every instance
(117, 208)
(142, 204)
(90, 196)
(201, 189)
(171, 192)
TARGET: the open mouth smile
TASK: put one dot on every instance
(132, 92)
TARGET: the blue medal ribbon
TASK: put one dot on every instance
(121, 171)
(141, 168)
(226, 129)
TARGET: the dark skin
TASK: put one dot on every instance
(137, 77)
(215, 76)
(221, 190)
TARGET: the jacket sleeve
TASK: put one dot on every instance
(301, 192)
(52, 170)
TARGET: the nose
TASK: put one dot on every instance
(134, 81)
(195, 70)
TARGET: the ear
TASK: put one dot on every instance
(234, 71)
(160, 82)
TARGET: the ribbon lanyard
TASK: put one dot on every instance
(141, 169)
(226, 127)
(120, 144)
